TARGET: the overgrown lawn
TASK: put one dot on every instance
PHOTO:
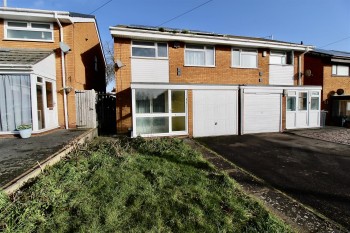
(119, 185)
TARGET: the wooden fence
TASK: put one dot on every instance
(85, 102)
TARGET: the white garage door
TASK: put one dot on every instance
(261, 113)
(214, 112)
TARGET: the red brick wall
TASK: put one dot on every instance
(222, 73)
(123, 79)
(321, 69)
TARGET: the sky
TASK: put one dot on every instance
(321, 23)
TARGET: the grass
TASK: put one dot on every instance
(158, 185)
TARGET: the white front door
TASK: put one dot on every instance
(46, 104)
(214, 112)
(50, 108)
(303, 109)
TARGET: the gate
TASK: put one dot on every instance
(85, 101)
(106, 114)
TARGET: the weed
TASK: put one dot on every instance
(123, 185)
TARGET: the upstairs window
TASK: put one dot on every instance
(199, 55)
(281, 57)
(340, 70)
(244, 58)
(149, 49)
(16, 30)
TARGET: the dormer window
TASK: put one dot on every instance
(31, 31)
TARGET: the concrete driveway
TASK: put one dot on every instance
(18, 155)
(314, 172)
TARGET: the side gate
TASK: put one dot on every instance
(85, 103)
(106, 114)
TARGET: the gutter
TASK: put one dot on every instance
(299, 64)
(63, 66)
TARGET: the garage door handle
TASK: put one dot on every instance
(216, 123)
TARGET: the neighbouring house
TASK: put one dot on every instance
(45, 56)
(181, 82)
(331, 70)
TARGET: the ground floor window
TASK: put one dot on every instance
(159, 111)
(15, 101)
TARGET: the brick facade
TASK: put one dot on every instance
(222, 73)
(83, 40)
(321, 69)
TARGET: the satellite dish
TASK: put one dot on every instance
(64, 47)
(119, 64)
(308, 73)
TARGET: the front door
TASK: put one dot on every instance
(46, 104)
(303, 109)
(50, 105)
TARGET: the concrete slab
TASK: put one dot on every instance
(314, 172)
(18, 155)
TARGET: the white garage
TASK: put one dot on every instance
(261, 110)
(215, 112)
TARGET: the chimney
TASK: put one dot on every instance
(5, 3)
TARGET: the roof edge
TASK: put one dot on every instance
(122, 31)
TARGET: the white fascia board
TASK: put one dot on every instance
(306, 87)
(191, 38)
(276, 89)
(82, 20)
(183, 86)
(16, 67)
(33, 15)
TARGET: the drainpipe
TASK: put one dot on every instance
(63, 65)
(299, 61)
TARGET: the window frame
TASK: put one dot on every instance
(339, 75)
(155, 46)
(169, 113)
(240, 57)
(28, 28)
(204, 50)
(286, 55)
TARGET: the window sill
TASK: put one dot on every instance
(237, 67)
(200, 66)
(281, 64)
(29, 40)
(150, 58)
(340, 76)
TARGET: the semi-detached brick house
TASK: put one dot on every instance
(44, 57)
(331, 70)
(180, 82)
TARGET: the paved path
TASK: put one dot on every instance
(18, 155)
(331, 134)
(314, 172)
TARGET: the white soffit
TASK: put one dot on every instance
(193, 38)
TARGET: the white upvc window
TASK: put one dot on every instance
(149, 49)
(340, 70)
(159, 112)
(199, 55)
(281, 57)
(244, 58)
(31, 31)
